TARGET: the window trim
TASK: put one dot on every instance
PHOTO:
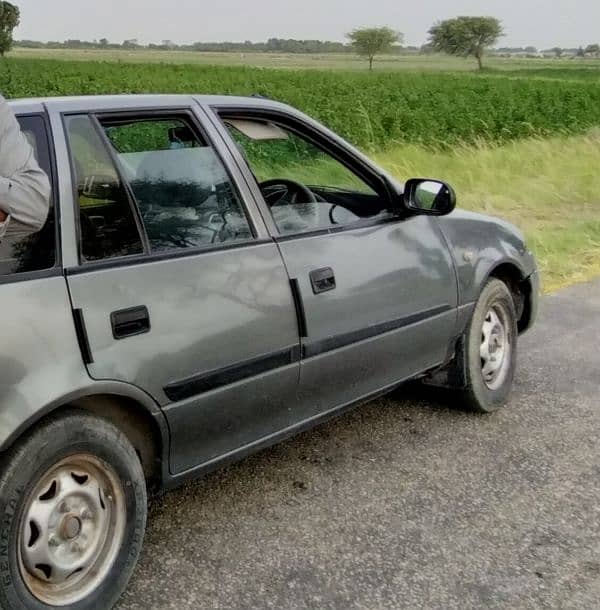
(137, 215)
(150, 257)
(322, 141)
(76, 204)
(142, 259)
(56, 269)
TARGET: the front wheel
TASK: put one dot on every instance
(491, 349)
(73, 514)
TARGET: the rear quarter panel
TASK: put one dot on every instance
(40, 359)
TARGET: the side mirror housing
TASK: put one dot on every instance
(432, 197)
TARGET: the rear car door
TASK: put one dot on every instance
(378, 291)
(179, 287)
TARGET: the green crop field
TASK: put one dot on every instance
(520, 140)
(373, 111)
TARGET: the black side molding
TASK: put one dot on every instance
(82, 337)
(211, 380)
(315, 348)
(204, 382)
(299, 305)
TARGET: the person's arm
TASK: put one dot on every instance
(24, 187)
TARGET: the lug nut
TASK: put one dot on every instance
(63, 508)
(53, 541)
(86, 514)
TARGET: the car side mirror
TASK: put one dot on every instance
(425, 196)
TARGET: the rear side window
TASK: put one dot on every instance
(181, 187)
(37, 251)
(108, 227)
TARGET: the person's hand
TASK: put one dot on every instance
(3, 216)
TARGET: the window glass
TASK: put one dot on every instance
(183, 191)
(305, 187)
(37, 251)
(108, 226)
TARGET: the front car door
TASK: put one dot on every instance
(179, 286)
(378, 290)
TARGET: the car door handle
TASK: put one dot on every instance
(130, 322)
(322, 280)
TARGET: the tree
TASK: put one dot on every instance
(466, 36)
(9, 20)
(593, 49)
(557, 51)
(370, 42)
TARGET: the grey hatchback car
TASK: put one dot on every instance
(216, 274)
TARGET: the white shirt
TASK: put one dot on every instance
(24, 187)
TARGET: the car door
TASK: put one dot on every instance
(179, 288)
(378, 291)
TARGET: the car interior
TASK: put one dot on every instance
(304, 187)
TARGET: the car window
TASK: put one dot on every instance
(183, 191)
(107, 222)
(304, 186)
(37, 251)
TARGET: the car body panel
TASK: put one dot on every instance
(217, 312)
(479, 244)
(395, 286)
(40, 360)
(207, 312)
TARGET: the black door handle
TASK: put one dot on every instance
(130, 322)
(322, 280)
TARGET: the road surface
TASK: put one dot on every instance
(405, 502)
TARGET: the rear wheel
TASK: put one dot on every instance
(491, 349)
(73, 514)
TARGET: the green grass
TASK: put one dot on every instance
(373, 111)
(576, 68)
(550, 188)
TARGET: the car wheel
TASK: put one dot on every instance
(491, 349)
(73, 513)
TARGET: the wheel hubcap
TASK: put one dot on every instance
(71, 529)
(495, 347)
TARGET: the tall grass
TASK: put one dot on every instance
(548, 187)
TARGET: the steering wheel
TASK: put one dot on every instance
(289, 187)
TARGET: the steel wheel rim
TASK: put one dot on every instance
(495, 348)
(71, 529)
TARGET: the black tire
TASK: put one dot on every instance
(56, 441)
(479, 395)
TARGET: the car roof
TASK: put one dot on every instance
(118, 102)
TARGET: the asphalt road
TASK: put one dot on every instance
(406, 502)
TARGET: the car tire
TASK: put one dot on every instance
(73, 512)
(490, 349)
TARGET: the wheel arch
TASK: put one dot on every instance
(515, 279)
(130, 409)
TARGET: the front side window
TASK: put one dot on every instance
(37, 251)
(181, 187)
(305, 187)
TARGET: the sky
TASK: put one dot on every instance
(541, 23)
